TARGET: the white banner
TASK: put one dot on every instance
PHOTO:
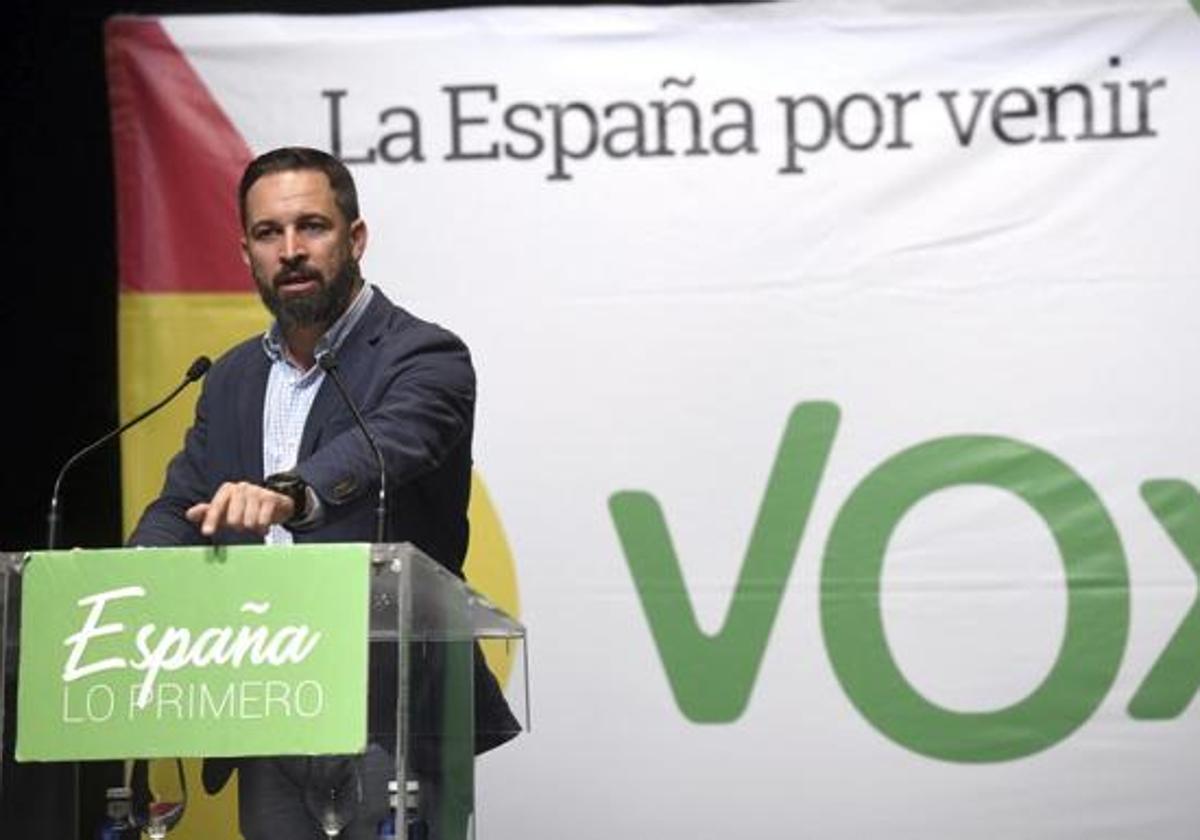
(865, 331)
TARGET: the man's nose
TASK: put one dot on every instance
(293, 246)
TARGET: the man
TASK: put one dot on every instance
(274, 452)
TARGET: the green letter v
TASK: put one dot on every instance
(711, 676)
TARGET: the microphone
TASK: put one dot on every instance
(329, 364)
(196, 370)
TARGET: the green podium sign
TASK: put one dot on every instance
(246, 650)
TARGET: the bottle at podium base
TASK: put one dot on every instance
(118, 811)
(414, 828)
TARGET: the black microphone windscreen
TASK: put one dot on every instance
(198, 368)
(327, 360)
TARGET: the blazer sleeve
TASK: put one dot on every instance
(419, 403)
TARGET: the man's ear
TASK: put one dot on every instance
(245, 251)
(358, 238)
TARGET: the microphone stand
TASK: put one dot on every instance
(329, 364)
(54, 519)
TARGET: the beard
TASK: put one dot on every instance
(322, 307)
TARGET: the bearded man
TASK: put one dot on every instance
(274, 453)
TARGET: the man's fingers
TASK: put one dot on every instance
(247, 515)
(215, 515)
(241, 507)
(257, 514)
(268, 512)
(235, 514)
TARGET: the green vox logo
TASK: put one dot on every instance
(711, 676)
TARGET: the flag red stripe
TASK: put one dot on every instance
(178, 159)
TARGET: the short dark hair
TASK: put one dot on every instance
(293, 158)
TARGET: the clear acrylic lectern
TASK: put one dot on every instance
(425, 666)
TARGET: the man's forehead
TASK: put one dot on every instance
(290, 191)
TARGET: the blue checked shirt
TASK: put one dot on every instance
(290, 395)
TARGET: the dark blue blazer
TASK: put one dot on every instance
(415, 386)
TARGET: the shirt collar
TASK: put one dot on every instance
(334, 336)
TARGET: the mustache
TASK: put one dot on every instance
(296, 275)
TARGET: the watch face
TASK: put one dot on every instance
(291, 486)
(283, 482)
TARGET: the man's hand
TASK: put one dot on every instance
(241, 506)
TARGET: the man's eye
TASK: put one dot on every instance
(263, 234)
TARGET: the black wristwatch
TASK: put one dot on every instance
(294, 487)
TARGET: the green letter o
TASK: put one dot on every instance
(1097, 600)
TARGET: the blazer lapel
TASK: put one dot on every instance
(250, 402)
(354, 362)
